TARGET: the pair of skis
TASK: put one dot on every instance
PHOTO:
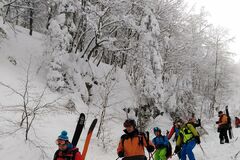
(230, 132)
(78, 131)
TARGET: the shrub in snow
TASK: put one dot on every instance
(3, 34)
(12, 60)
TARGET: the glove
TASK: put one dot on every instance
(199, 122)
(197, 139)
(217, 122)
(150, 148)
(121, 154)
(177, 149)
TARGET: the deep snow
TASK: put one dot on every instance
(46, 128)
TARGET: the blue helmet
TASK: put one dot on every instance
(156, 129)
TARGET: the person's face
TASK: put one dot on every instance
(157, 133)
(62, 145)
(192, 119)
(178, 125)
(129, 129)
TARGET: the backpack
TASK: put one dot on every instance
(69, 156)
(229, 121)
(185, 132)
(169, 150)
(168, 147)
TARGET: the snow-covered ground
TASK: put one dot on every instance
(46, 128)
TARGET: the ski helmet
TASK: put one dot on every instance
(156, 129)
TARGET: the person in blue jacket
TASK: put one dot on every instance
(161, 145)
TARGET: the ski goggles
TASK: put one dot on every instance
(60, 142)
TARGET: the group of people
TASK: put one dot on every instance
(133, 142)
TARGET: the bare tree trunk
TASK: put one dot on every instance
(102, 115)
(49, 18)
(5, 17)
(31, 22)
(17, 18)
(101, 57)
(124, 57)
(215, 85)
(140, 119)
(82, 28)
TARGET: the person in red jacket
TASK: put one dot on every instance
(175, 129)
(237, 122)
(66, 151)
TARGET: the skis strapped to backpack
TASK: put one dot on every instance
(147, 141)
(88, 138)
(229, 124)
(78, 130)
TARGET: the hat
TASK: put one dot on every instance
(129, 122)
(220, 112)
(156, 129)
(63, 136)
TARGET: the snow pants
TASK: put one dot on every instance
(187, 150)
(160, 154)
(223, 135)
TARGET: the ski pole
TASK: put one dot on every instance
(204, 153)
(151, 155)
(117, 158)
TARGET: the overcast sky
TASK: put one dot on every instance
(225, 13)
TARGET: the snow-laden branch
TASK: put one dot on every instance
(9, 87)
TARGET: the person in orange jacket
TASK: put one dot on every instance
(223, 127)
(66, 151)
(132, 143)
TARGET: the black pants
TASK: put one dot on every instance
(223, 135)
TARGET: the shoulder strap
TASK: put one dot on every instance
(142, 135)
(56, 155)
(188, 127)
(74, 151)
(185, 130)
(147, 137)
(123, 137)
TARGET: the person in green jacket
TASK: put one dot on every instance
(186, 141)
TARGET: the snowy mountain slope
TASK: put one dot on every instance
(46, 128)
(20, 46)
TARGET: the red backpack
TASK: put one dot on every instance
(68, 155)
